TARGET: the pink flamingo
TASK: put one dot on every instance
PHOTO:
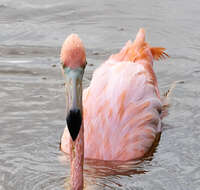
(121, 109)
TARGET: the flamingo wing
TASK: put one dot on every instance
(121, 112)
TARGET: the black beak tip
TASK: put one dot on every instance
(74, 121)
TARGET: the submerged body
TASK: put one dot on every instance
(122, 108)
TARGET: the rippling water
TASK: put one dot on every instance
(32, 111)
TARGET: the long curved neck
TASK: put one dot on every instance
(74, 102)
(77, 159)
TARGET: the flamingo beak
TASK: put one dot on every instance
(74, 121)
(73, 85)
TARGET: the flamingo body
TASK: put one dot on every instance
(122, 106)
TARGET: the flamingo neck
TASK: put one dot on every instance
(73, 78)
(77, 159)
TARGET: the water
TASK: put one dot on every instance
(32, 112)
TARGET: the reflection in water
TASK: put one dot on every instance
(100, 173)
(108, 173)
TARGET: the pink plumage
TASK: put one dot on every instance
(122, 106)
(73, 52)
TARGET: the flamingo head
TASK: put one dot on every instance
(73, 60)
(73, 52)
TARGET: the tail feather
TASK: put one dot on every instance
(140, 39)
(167, 94)
(158, 53)
(166, 100)
(139, 49)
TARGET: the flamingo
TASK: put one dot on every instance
(119, 115)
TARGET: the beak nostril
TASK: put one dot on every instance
(74, 121)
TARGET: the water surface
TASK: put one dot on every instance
(32, 111)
